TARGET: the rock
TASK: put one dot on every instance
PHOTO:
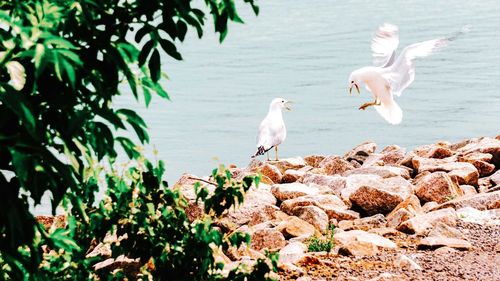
(487, 217)
(359, 242)
(295, 227)
(405, 263)
(292, 190)
(429, 206)
(495, 178)
(422, 224)
(128, 265)
(437, 187)
(464, 173)
(444, 230)
(385, 231)
(445, 251)
(480, 161)
(336, 183)
(313, 215)
(271, 172)
(375, 195)
(292, 176)
(468, 190)
(390, 155)
(386, 276)
(395, 218)
(361, 152)
(334, 165)
(411, 204)
(483, 145)
(365, 224)
(292, 252)
(438, 152)
(314, 160)
(267, 213)
(267, 238)
(382, 171)
(481, 201)
(289, 163)
(323, 201)
(437, 242)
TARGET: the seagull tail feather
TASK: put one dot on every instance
(391, 112)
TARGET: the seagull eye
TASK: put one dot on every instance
(282, 101)
(352, 82)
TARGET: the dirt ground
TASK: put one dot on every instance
(482, 262)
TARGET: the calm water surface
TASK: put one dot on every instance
(304, 51)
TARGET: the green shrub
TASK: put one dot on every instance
(324, 243)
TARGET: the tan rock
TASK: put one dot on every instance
(271, 172)
(390, 155)
(378, 196)
(293, 175)
(365, 224)
(480, 161)
(313, 215)
(429, 206)
(395, 218)
(341, 214)
(444, 230)
(267, 238)
(422, 224)
(336, 183)
(361, 152)
(292, 252)
(323, 201)
(437, 187)
(293, 190)
(334, 165)
(486, 217)
(464, 173)
(468, 190)
(481, 201)
(382, 171)
(437, 242)
(495, 178)
(483, 145)
(289, 163)
(359, 242)
(314, 160)
(267, 213)
(404, 262)
(296, 227)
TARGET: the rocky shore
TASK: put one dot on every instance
(428, 214)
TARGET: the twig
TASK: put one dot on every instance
(205, 181)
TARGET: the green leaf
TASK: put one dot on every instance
(143, 55)
(181, 30)
(154, 66)
(142, 32)
(170, 48)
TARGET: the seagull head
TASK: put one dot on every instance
(280, 103)
(354, 81)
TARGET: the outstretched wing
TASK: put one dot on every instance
(402, 72)
(384, 45)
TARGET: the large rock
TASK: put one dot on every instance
(481, 201)
(359, 242)
(291, 175)
(267, 213)
(405, 210)
(423, 223)
(435, 242)
(292, 252)
(336, 183)
(296, 227)
(495, 178)
(361, 152)
(404, 262)
(376, 221)
(334, 165)
(293, 190)
(391, 155)
(314, 160)
(333, 206)
(376, 195)
(487, 217)
(437, 151)
(271, 172)
(289, 163)
(382, 171)
(483, 145)
(464, 173)
(437, 187)
(267, 238)
(313, 215)
(481, 161)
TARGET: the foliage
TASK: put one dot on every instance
(61, 65)
(324, 243)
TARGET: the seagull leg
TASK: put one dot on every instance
(276, 150)
(267, 153)
(365, 105)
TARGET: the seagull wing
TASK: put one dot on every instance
(384, 45)
(402, 73)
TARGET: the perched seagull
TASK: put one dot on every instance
(272, 130)
(391, 75)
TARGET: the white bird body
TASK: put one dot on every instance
(390, 76)
(272, 130)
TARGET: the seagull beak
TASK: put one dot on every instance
(287, 105)
(357, 88)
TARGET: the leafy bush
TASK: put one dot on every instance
(61, 65)
(324, 243)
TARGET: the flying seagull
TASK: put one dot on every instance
(272, 130)
(391, 75)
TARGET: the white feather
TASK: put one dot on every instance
(272, 130)
(384, 45)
